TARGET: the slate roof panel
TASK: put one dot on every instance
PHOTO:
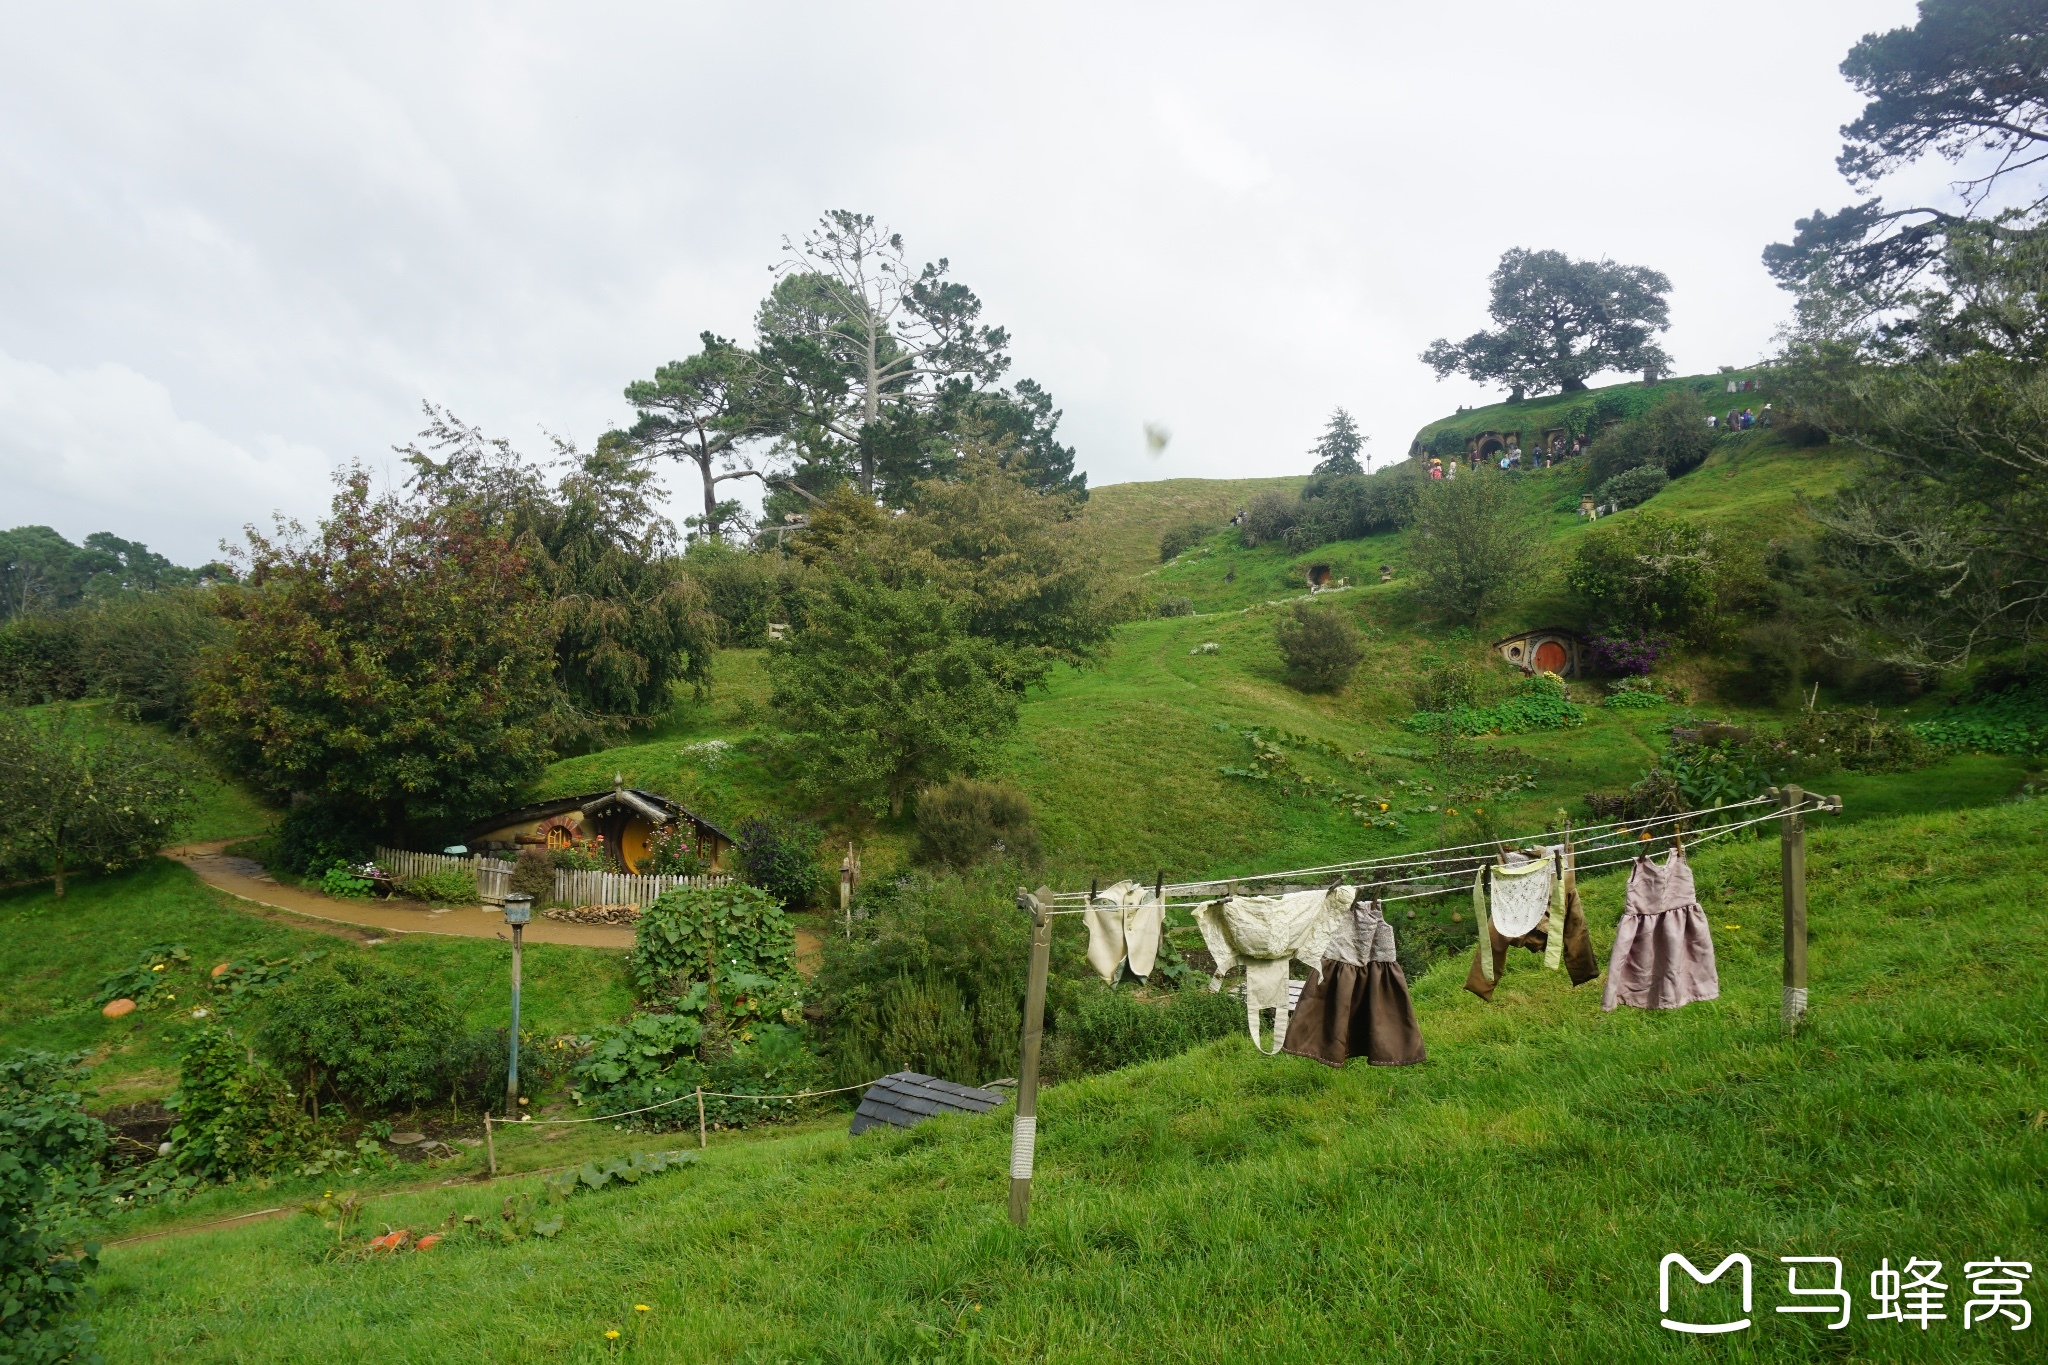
(908, 1097)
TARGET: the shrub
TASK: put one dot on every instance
(927, 1026)
(345, 882)
(442, 886)
(1672, 435)
(1107, 1029)
(2001, 714)
(1857, 740)
(1445, 686)
(50, 1197)
(779, 856)
(964, 822)
(236, 1117)
(1268, 516)
(579, 858)
(961, 929)
(472, 1067)
(1539, 702)
(1471, 549)
(670, 852)
(146, 649)
(649, 1060)
(1649, 571)
(1349, 506)
(1176, 606)
(363, 1032)
(533, 874)
(41, 659)
(76, 801)
(1628, 651)
(673, 941)
(1633, 487)
(1319, 646)
(1184, 536)
(1771, 662)
(315, 835)
(747, 589)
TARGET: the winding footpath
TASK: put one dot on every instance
(247, 880)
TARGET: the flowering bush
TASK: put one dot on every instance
(669, 853)
(1628, 651)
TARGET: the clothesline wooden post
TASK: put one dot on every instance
(1792, 878)
(1024, 1133)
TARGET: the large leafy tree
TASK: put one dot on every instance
(1015, 561)
(77, 800)
(704, 410)
(1967, 82)
(884, 690)
(42, 571)
(1561, 321)
(1471, 549)
(397, 661)
(629, 620)
(879, 368)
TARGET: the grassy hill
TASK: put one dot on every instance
(1127, 519)
(1583, 412)
(1121, 759)
(1511, 1198)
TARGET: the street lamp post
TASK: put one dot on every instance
(518, 911)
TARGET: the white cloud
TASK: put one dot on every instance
(88, 448)
(250, 239)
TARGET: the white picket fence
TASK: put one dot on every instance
(493, 875)
(620, 888)
(494, 879)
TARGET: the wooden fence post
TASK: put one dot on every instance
(1792, 880)
(490, 1143)
(702, 1140)
(1024, 1133)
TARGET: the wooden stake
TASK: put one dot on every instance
(1792, 878)
(1024, 1133)
(702, 1140)
(490, 1144)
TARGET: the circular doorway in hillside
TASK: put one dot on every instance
(1550, 657)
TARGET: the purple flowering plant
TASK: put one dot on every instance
(1629, 652)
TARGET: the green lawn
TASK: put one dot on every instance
(55, 952)
(1509, 1199)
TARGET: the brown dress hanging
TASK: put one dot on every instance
(1578, 959)
(1357, 1004)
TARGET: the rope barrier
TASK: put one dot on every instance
(690, 1095)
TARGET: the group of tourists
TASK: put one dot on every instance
(1739, 421)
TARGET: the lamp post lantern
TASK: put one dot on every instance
(518, 911)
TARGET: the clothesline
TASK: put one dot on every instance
(1614, 841)
(1592, 834)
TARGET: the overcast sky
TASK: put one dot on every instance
(240, 244)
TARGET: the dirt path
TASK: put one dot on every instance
(247, 880)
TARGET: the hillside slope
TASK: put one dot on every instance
(1127, 519)
(1511, 1198)
(1121, 760)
